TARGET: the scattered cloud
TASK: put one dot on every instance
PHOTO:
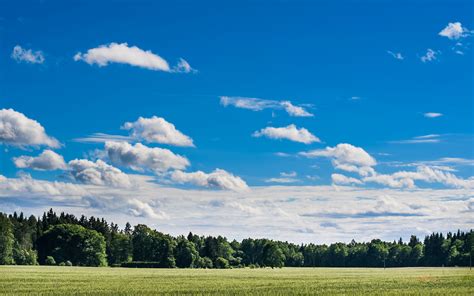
(371, 213)
(102, 138)
(432, 114)
(98, 173)
(184, 67)
(141, 158)
(395, 55)
(157, 130)
(21, 54)
(289, 177)
(290, 132)
(18, 130)
(454, 31)
(218, 179)
(47, 161)
(346, 157)
(423, 173)
(121, 53)
(256, 104)
(433, 138)
(430, 56)
(344, 180)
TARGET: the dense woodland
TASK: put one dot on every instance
(67, 240)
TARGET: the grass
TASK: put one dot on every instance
(43, 280)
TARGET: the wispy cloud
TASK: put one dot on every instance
(432, 114)
(256, 104)
(102, 138)
(395, 55)
(433, 138)
(21, 54)
(430, 55)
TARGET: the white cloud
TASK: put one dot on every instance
(48, 160)
(102, 138)
(290, 132)
(395, 55)
(219, 179)
(423, 173)
(28, 187)
(20, 54)
(184, 67)
(139, 157)
(98, 173)
(295, 111)
(429, 56)
(433, 138)
(123, 54)
(292, 213)
(18, 130)
(256, 104)
(344, 180)
(289, 177)
(282, 180)
(346, 157)
(432, 114)
(139, 208)
(454, 31)
(157, 130)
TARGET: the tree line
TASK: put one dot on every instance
(67, 240)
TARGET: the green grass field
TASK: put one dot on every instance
(19, 280)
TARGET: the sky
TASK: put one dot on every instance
(306, 121)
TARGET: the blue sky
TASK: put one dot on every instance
(388, 85)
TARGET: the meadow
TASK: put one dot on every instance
(53, 280)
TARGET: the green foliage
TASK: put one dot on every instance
(6, 240)
(273, 256)
(75, 243)
(185, 253)
(49, 260)
(221, 263)
(93, 241)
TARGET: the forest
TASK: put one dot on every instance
(67, 240)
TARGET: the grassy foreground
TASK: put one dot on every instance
(18, 280)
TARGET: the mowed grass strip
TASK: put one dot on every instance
(45, 280)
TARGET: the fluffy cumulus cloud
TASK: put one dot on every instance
(123, 54)
(346, 157)
(157, 130)
(47, 161)
(290, 132)
(344, 180)
(139, 157)
(218, 179)
(21, 54)
(454, 31)
(429, 56)
(256, 104)
(98, 173)
(432, 114)
(132, 55)
(18, 130)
